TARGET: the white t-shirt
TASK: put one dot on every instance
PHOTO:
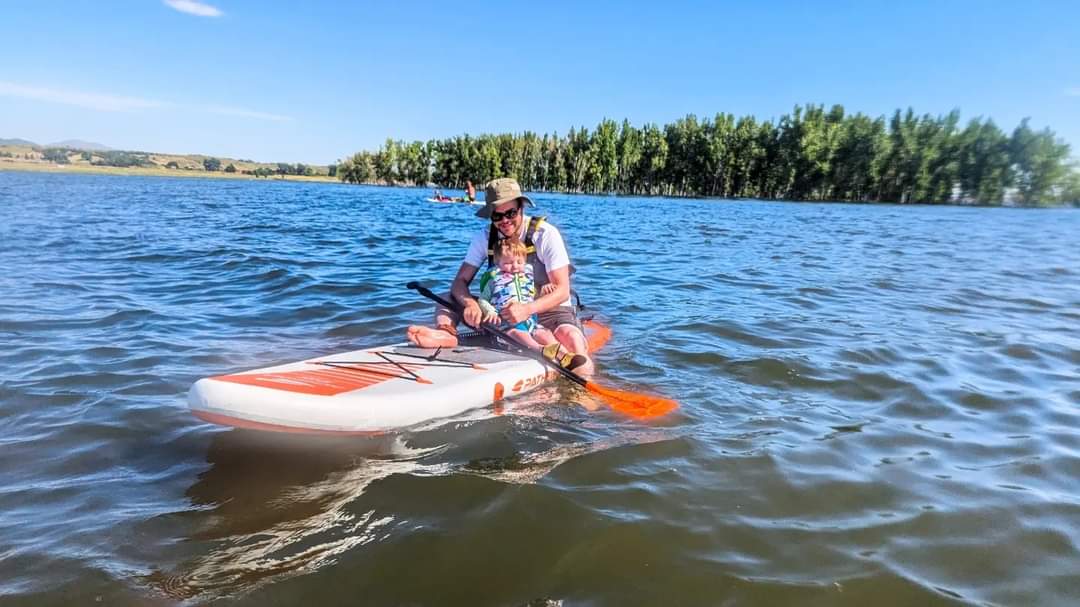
(550, 248)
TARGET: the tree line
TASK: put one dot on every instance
(111, 158)
(813, 153)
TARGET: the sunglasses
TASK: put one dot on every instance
(496, 216)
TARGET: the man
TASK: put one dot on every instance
(504, 206)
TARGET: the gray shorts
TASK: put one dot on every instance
(562, 315)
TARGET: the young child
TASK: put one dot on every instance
(511, 280)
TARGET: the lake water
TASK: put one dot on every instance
(880, 404)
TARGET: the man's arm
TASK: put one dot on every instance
(560, 279)
(459, 291)
(552, 250)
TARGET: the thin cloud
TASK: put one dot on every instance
(116, 103)
(1073, 92)
(194, 7)
(94, 101)
(243, 113)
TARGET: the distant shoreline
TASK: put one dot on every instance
(7, 164)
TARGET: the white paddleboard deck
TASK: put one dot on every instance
(365, 391)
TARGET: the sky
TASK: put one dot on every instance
(318, 81)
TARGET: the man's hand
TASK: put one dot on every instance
(472, 315)
(515, 312)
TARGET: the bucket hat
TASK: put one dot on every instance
(500, 191)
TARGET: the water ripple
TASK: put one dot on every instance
(873, 410)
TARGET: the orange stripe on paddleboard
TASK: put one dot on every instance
(326, 381)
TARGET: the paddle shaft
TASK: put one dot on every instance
(492, 330)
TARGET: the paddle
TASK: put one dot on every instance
(629, 403)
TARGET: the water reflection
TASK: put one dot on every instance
(271, 506)
(277, 505)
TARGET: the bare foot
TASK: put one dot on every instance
(591, 403)
(586, 370)
(426, 337)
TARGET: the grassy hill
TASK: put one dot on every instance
(79, 144)
(18, 142)
(20, 154)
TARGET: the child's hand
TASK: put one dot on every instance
(548, 288)
(487, 312)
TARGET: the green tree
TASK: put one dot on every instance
(413, 163)
(628, 151)
(604, 152)
(984, 163)
(386, 162)
(654, 158)
(212, 164)
(855, 169)
(745, 156)
(577, 159)
(687, 171)
(1039, 161)
(716, 179)
(360, 168)
(56, 155)
(489, 163)
(532, 156)
(555, 165)
(900, 160)
(1070, 187)
(768, 173)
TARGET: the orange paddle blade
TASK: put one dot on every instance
(596, 334)
(632, 403)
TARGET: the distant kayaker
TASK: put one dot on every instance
(504, 206)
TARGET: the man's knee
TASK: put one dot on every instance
(571, 336)
(445, 317)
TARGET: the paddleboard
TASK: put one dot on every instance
(474, 202)
(371, 391)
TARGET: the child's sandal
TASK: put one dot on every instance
(566, 361)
